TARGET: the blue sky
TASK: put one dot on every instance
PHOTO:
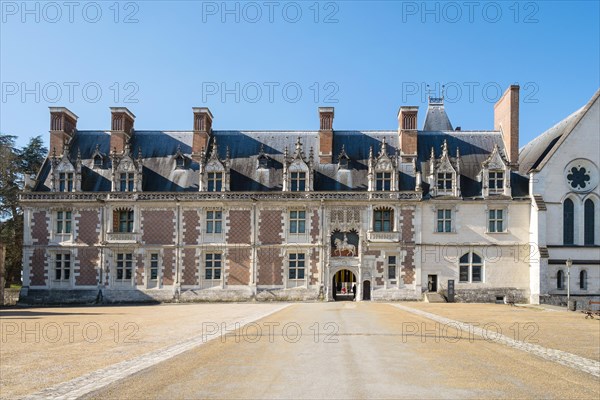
(261, 65)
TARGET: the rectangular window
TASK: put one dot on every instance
(124, 267)
(444, 181)
(476, 273)
(392, 267)
(62, 267)
(382, 220)
(296, 266)
(214, 221)
(126, 181)
(63, 221)
(215, 182)
(297, 221)
(496, 220)
(298, 181)
(383, 181)
(65, 182)
(125, 221)
(464, 273)
(444, 220)
(154, 266)
(212, 266)
(496, 181)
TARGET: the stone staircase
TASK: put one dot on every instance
(434, 298)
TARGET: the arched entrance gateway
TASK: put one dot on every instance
(343, 285)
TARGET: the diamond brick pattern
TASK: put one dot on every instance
(158, 227)
(240, 228)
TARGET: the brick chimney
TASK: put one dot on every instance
(202, 129)
(506, 120)
(326, 135)
(63, 125)
(407, 130)
(121, 128)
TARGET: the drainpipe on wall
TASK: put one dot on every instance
(253, 244)
(177, 284)
(322, 250)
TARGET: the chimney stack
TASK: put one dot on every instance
(326, 134)
(202, 129)
(63, 125)
(121, 128)
(407, 129)
(506, 120)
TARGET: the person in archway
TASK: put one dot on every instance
(354, 292)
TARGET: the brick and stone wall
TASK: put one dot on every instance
(270, 260)
(158, 226)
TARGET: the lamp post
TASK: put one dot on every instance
(569, 263)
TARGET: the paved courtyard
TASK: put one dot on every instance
(311, 350)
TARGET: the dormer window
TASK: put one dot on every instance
(343, 159)
(126, 182)
(215, 181)
(179, 159)
(382, 170)
(65, 182)
(383, 181)
(214, 172)
(496, 181)
(298, 181)
(263, 162)
(495, 174)
(297, 170)
(98, 161)
(444, 181)
(444, 173)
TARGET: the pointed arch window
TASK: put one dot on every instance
(568, 222)
(589, 222)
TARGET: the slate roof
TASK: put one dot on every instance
(436, 118)
(160, 147)
(533, 155)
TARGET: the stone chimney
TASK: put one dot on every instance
(63, 125)
(326, 135)
(202, 129)
(407, 130)
(121, 128)
(506, 120)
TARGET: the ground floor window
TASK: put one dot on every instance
(583, 279)
(296, 266)
(154, 266)
(124, 267)
(62, 267)
(392, 267)
(212, 266)
(470, 268)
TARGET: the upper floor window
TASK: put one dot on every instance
(496, 181)
(126, 181)
(214, 221)
(296, 266)
(62, 267)
(392, 267)
(383, 181)
(298, 181)
(124, 267)
(212, 266)
(297, 221)
(470, 268)
(444, 181)
(124, 221)
(179, 162)
(215, 181)
(65, 182)
(444, 220)
(383, 220)
(589, 222)
(496, 221)
(568, 222)
(63, 221)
